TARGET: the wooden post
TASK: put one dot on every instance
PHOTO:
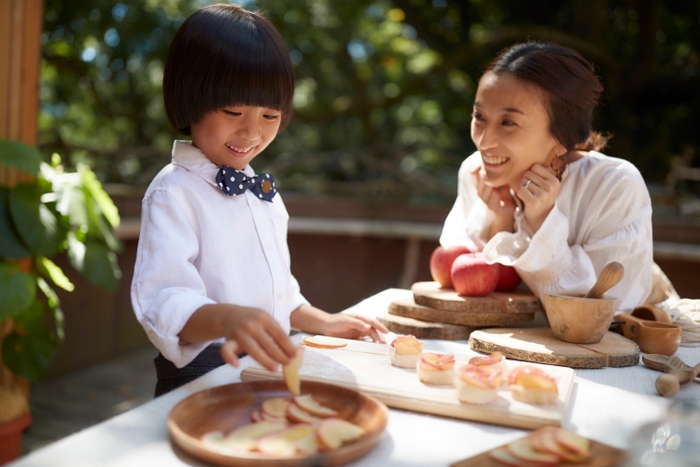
(20, 51)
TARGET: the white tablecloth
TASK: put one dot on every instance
(608, 405)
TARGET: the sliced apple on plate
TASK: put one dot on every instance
(298, 415)
(275, 407)
(291, 372)
(333, 432)
(573, 442)
(245, 438)
(503, 456)
(308, 403)
(283, 443)
(522, 449)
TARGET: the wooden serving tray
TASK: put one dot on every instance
(602, 455)
(431, 294)
(539, 345)
(410, 309)
(366, 366)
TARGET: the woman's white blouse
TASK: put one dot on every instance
(199, 246)
(602, 214)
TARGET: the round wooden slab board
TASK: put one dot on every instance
(540, 346)
(410, 309)
(431, 294)
(424, 329)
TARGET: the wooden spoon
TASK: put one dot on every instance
(672, 365)
(610, 275)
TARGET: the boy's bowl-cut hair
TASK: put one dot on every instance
(223, 56)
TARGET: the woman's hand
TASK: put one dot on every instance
(499, 201)
(538, 192)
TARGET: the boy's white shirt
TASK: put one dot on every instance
(198, 246)
(602, 214)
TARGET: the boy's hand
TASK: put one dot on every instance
(354, 327)
(256, 333)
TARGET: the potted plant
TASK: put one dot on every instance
(48, 212)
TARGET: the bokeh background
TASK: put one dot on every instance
(384, 88)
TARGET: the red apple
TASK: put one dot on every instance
(474, 277)
(441, 263)
(508, 278)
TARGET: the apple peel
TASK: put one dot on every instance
(523, 450)
(323, 342)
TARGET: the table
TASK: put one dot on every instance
(608, 405)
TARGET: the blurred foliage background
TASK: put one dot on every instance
(384, 88)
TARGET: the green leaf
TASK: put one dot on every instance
(19, 156)
(36, 223)
(29, 350)
(17, 290)
(11, 245)
(55, 273)
(100, 265)
(95, 190)
(109, 236)
(54, 305)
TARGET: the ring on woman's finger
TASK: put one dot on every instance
(527, 184)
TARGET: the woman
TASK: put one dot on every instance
(538, 195)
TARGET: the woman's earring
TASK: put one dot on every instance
(558, 166)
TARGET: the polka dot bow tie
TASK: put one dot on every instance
(234, 182)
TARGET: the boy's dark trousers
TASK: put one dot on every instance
(171, 377)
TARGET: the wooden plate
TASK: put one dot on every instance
(602, 455)
(225, 408)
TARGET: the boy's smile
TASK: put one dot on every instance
(233, 136)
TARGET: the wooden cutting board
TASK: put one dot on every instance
(539, 345)
(431, 294)
(410, 309)
(424, 329)
(366, 366)
(602, 455)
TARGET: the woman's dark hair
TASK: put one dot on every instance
(570, 86)
(224, 55)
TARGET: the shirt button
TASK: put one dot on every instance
(279, 296)
(151, 334)
(268, 247)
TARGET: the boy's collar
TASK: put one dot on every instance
(191, 158)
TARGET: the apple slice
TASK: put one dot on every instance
(298, 415)
(283, 443)
(504, 456)
(544, 441)
(245, 438)
(573, 442)
(256, 416)
(291, 372)
(333, 432)
(275, 407)
(522, 449)
(308, 444)
(323, 342)
(308, 403)
(264, 416)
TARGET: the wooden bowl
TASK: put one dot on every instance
(225, 408)
(579, 320)
(652, 337)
